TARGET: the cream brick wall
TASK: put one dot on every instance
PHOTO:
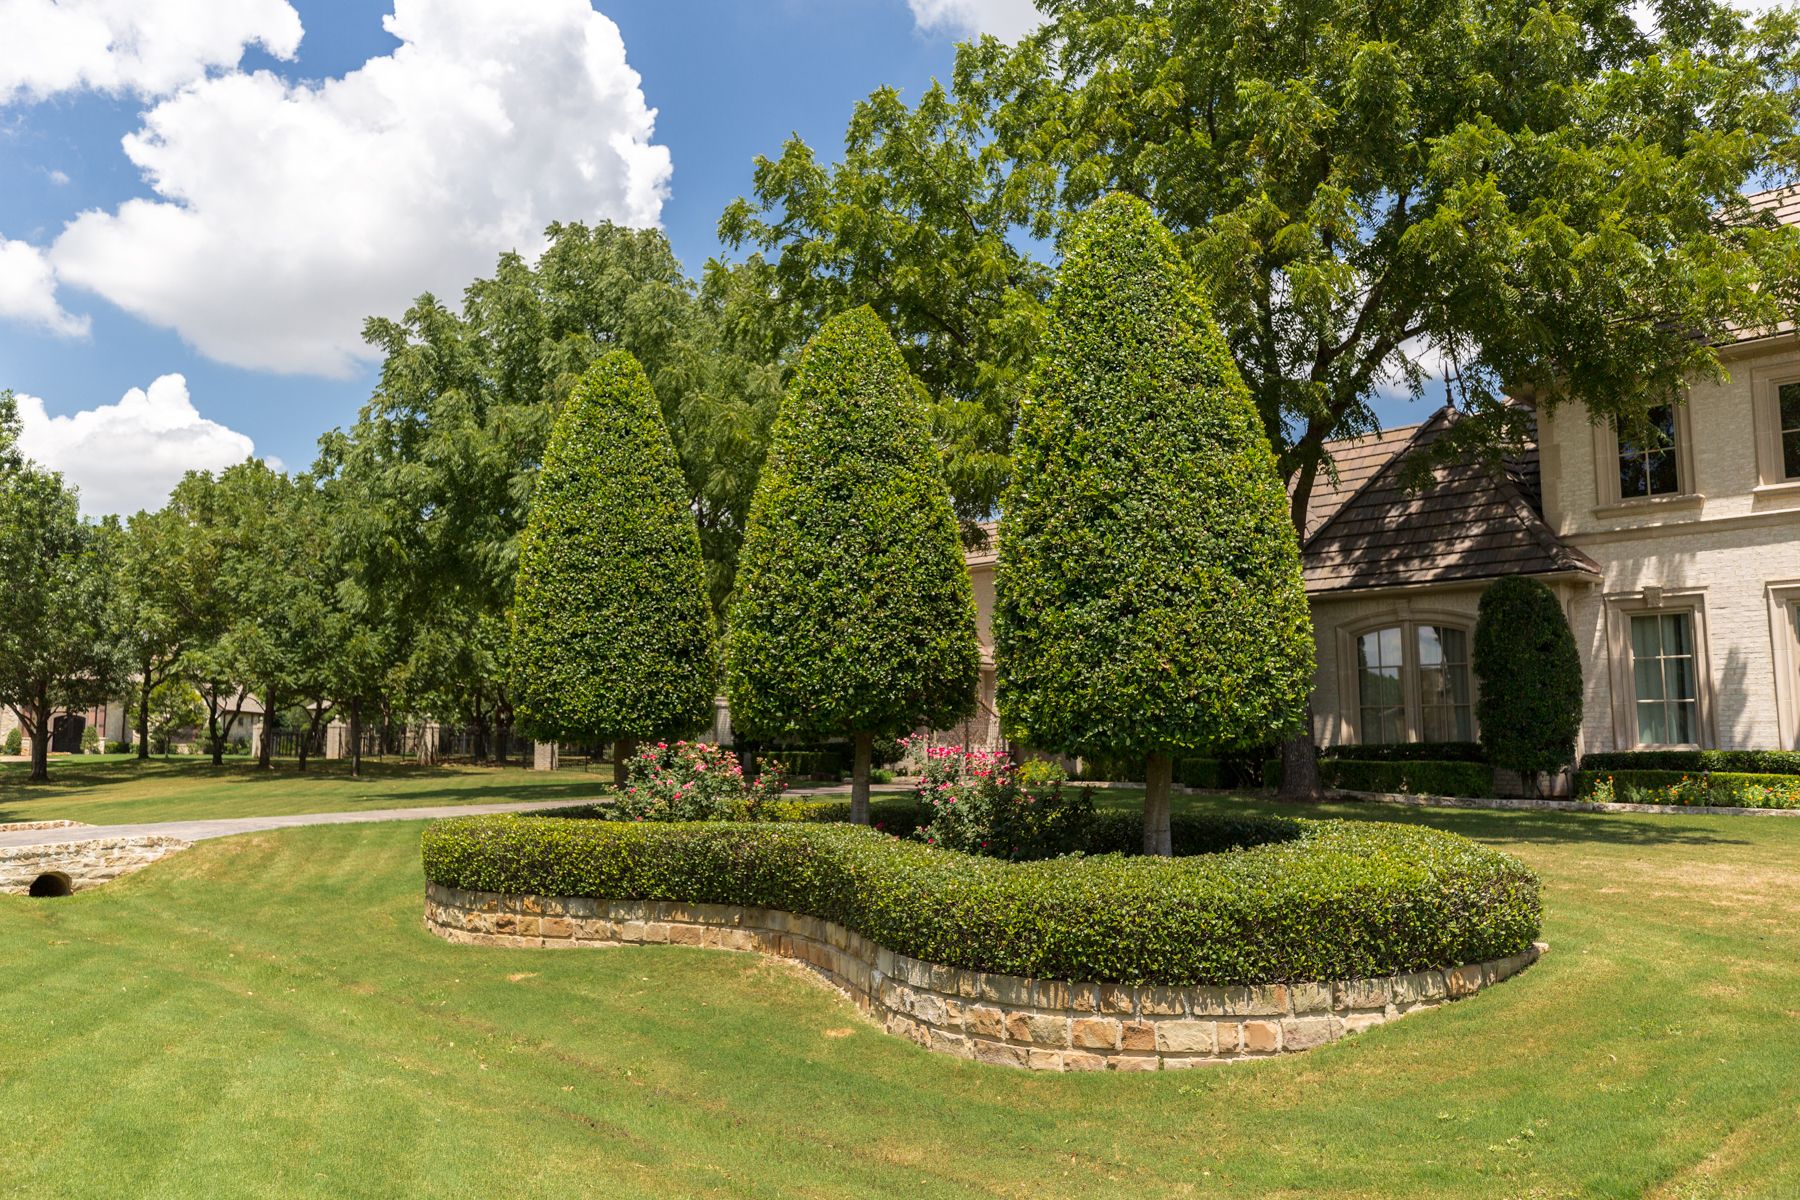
(1730, 543)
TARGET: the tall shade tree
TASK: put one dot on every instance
(1148, 598)
(1530, 676)
(612, 630)
(154, 607)
(1546, 197)
(854, 614)
(57, 648)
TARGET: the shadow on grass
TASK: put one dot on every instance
(1521, 825)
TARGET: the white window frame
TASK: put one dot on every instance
(1784, 612)
(1765, 396)
(1412, 706)
(1654, 600)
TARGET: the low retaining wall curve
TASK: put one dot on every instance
(1036, 1024)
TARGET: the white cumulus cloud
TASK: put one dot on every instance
(144, 47)
(287, 213)
(127, 456)
(28, 291)
(1008, 20)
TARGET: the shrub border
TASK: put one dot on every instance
(1000, 1019)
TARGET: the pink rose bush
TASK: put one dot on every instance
(981, 802)
(693, 781)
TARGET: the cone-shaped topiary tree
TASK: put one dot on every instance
(1530, 677)
(612, 632)
(1148, 595)
(854, 613)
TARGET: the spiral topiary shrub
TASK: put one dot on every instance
(612, 631)
(1305, 900)
(1148, 597)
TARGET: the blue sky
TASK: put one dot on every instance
(294, 166)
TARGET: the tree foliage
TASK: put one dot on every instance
(612, 632)
(58, 649)
(1148, 599)
(854, 613)
(1529, 673)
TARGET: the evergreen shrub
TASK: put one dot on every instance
(1529, 672)
(1316, 900)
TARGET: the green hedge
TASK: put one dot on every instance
(1716, 789)
(1409, 752)
(1755, 762)
(1422, 778)
(1335, 900)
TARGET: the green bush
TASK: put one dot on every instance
(15, 741)
(692, 781)
(1529, 670)
(1336, 900)
(1148, 597)
(612, 631)
(854, 614)
(987, 805)
(1410, 752)
(1755, 762)
(1415, 777)
(1718, 789)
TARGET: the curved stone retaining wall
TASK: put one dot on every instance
(1038, 1024)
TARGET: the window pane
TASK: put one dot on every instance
(1790, 455)
(1431, 651)
(1647, 678)
(1678, 676)
(1662, 477)
(1677, 631)
(1652, 731)
(1632, 481)
(1682, 722)
(1790, 407)
(1646, 641)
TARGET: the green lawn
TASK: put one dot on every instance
(265, 1016)
(108, 789)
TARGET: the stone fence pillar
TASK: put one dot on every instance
(543, 756)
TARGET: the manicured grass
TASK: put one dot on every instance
(108, 789)
(265, 1016)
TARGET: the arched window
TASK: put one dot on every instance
(1413, 683)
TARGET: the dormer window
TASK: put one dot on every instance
(1648, 463)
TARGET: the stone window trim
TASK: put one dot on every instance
(1766, 383)
(1607, 500)
(1408, 618)
(1784, 631)
(1620, 608)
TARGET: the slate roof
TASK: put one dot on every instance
(1357, 460)
(1468, 523)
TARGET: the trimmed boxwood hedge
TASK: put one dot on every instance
(1755, 762)
(1334, 900)
(1416, 777)
(1712, 789)
(1410, 752)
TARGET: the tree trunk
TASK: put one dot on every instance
(1159, 774)
(1300, 764)
(143, 721)
(215, 742)
(859, 779)
(265, 753)
(40, 741)
(623, 749)
(356, 739)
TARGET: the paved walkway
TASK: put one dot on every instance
(194, 831)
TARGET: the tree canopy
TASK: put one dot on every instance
(1148, 598)
(854, 613)
(612, 632)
